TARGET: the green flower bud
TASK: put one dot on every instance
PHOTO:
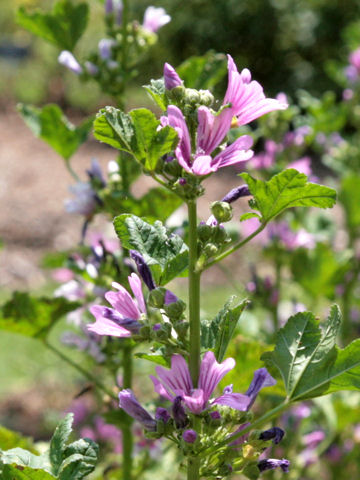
(156, 297)
(206, 98)
(192, 96)
(222, 211)
(204, 232)
(145, 332)
(177, 93)
(175, 309)
(220, 235)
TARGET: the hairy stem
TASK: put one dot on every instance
(194, 319)
(127, 438)
(235, 247)
(80, 369)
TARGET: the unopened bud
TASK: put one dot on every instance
(189, 436)
(176, 94)
(192, 96)
(219, 236)
(206, 98)
(204, 232)
(171, 78)
(157, 297)
(175, 309)
(222, 211)
(210, 250)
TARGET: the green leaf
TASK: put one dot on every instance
(309, 361)
(10, 439)
(166, 255)
(247, 216)
(203, 72)
(156, 90)
(286, 190)
(31, 316)
(117, 417)
(12, 472)
(137, 133)
(151, 143)
(51, 125)
(80, 459)
(154, 358)
(217, 334)
(327, 268)
(24, 458)
(58, 441)
(115, 128)
(62, 27)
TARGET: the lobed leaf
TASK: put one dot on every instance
(62, 27)
(217, 334)
(156, 90)
(33, 316)
(51, 125)
(309, 361)
(287, 189)
(166, 254)
(16, 472)
(58, 442)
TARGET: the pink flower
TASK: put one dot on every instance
(211, 131)
(176, 382)
(68, 60)
(246, 96)
(155, 18)
(122, 319)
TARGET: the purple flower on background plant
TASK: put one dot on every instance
(84, 201)
(91, 68)
(246, 96)
(129, 403)
(312, 440)
(302, 165)
(189, 436)
(353, 70)
(272, 463)
(71, 290)
(177, 382)
(211, 132)
(122, 319)
(95, 172)
(171, 78)
(105, 48)
(68, 60)
(155, 18)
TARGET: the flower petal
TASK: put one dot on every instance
(176, 120)
(177, 379)
(237, 401)
(195, 402)
(212, 129)
(122, 302)
(211, 372)
(135, 285)
(235, 153)
(105, 326)
(262, 378)
(203, 165)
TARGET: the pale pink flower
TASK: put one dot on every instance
(155, 18)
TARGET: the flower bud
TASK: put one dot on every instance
(206, 98)
(157, 297)
(179, 414)
(220, 236)
(189, 436)
(171, 78)
(192, 96)
(175, 308)
(177, 94)
(222, 211)
(204, 232)
(210, 250)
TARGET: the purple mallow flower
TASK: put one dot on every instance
(84, 201)
(129, 403)
(105, 48)
(143, 269)
(171, 78)
(68, 60)
(272, 463)
(246, 96)
(155, 18)
(189, 436)
(122, 319)
(210, 133)
(176, 382)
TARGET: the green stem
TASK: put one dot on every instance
(194, 319)
(84, 372)
(125, 21)
(260, 421)
(71, 171)
(235, 247)
(127, 437)
(275, 310)
(124, 172)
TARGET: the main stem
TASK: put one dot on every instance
(194, 319)
(127, 438)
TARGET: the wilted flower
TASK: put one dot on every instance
(122, 319)
(68, 60)
(155, 18)
(176, 382)
(275, 434)
(129, 403)
(272, 463)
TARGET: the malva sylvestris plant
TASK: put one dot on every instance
(217, 433)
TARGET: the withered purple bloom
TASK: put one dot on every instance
(275, 434)
(272, 463)
(143, 269)
(129, 403)
(236, 193)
